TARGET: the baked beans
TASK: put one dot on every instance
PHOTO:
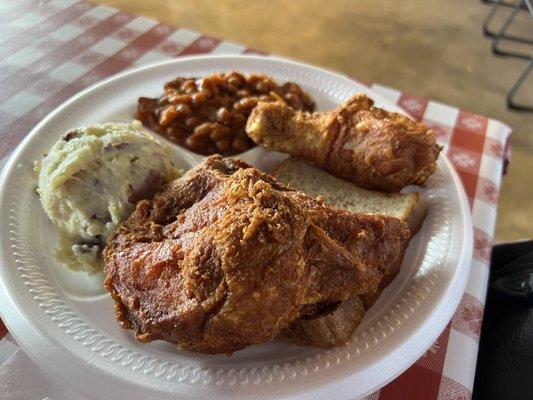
(208, 115)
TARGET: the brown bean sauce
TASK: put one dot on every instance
(208, 115)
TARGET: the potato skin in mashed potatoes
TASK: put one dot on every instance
(91, 180)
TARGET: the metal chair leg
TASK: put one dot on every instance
(496, 4)
(519, 82)
(501, 35)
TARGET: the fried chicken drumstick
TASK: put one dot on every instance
(369, 146)
(226, 257)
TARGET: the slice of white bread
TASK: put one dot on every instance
(302, 176)
(336, 324)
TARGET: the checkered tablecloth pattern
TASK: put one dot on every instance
(50, 50)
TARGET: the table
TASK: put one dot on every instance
(50, 52)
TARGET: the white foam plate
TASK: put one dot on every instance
(64, 320)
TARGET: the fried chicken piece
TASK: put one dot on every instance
(369, 146)
(330, 324)
(226, 257)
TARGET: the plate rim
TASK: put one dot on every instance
(29, 344)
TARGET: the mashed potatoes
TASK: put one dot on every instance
(91, 180)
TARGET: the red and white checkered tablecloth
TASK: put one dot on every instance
(50, 50)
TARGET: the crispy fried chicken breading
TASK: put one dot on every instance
(369, 146)
(226, 257)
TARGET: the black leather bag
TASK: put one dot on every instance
(505, 360)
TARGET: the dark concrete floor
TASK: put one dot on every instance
(431, 48)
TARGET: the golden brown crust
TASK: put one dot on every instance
(369, 146)
(334, 326)
(226, 257)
